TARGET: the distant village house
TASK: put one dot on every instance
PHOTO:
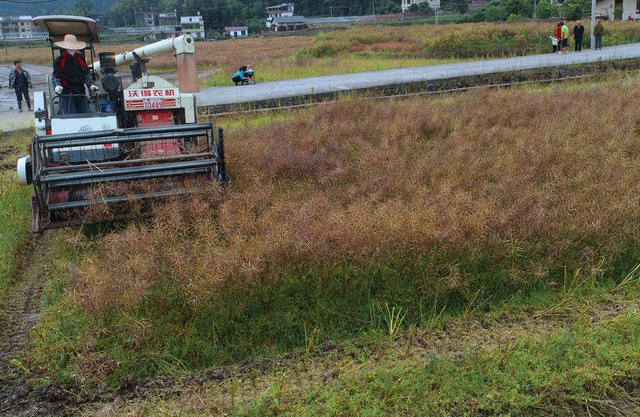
(280, 10)
(16, 25)
(433, 4)
(605, 9)
(145, 15)
(288, 23)
(236, 31)
(167, 19)
(194, 25)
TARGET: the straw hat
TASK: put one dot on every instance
(70, 42)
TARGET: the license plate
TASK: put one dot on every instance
(153, 103)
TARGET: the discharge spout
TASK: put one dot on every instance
(184, 49)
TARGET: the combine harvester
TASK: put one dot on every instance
(137, 143)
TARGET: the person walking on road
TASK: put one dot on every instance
(598, 31)
(565, 38)
(20, 81)
(578, 33)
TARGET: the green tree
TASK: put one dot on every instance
(544, 10)
(617, 12)
(388, 6)
(461, 6)
(493, 13)
(519, 7)
(258, 10)
(82, 8)
(420, 8)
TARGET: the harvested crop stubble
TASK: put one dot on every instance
(227, 54)
(511, 177)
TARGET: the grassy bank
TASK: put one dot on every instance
(375, 47)
(15, 206)
(573, 352)
(360, 218)
(357, 48)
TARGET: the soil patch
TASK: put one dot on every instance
(19, 313)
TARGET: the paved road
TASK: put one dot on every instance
(11, 120)
(345, 82)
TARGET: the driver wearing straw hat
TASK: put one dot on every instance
(71, 74)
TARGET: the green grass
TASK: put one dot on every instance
(168, 334)
(572, 352)
(303, 66)
(411, 43)
(15, 208)
(15, 221)
(579, 370)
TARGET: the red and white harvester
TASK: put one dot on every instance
(134, 143)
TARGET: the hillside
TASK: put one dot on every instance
(54, 7)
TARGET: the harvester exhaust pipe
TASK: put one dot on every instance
(184, 48)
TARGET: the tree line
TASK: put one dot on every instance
(498, 10)
(219, 13)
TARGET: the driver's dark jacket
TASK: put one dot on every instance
(71, 72)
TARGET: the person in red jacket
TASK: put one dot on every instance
(559, 36)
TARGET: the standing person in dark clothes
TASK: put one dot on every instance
(70, 75)
(20, 80)
(598, 31)
(578, 33)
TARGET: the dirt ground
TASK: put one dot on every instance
(19, 313)
(38, 75)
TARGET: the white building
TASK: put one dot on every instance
(605, 9)
(288, 23)
(434, 4)
(19, 26)
(280, 10)
(236, 31)
(193, 25)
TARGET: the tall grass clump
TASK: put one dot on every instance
(469, 40)
(377, 47)
(358, 208)
(15, 217)
(357, 48)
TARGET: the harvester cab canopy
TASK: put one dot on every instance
(84, 28)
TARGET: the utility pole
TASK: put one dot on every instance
(374, 8)
(593, 23)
